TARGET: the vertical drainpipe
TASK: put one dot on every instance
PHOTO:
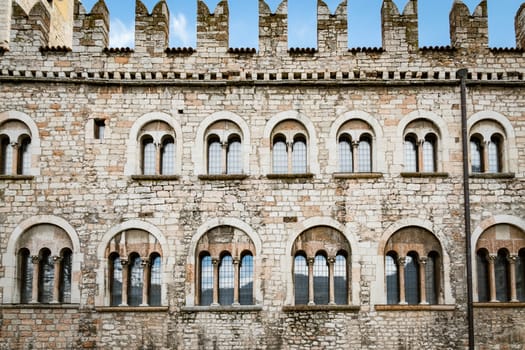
(462, 74)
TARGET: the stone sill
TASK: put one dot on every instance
(316, 308)
(223, 177)
(17, 177)
(415, 307)
(492, 176)
(500, 305)
(418, 174)
(40, 306)
(230, 308)
(155, 177)
(290, 176)
(103, 309)
(357, 175)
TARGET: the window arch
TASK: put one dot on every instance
(224, 148)
(289, 141)
(421, 146)
(500, 253)
(413, 267)
(321, 267)
(157, 148)
(355, 139)
(134, 269)
(44, 265)
(487, 147)
(225, 268)
(15, 148)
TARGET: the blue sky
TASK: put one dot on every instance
(364, 21)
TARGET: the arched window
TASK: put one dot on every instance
(157, 149)
(135, 261)
(214, 155)
(476, 155)
(24, 155)
(365, 154)
(345, 154)
(413, 267)
(520, 276)
(429, 154)
(46, 276)
(246, 280)
(167, 156)
(234, 156)
(411, 160)
(15, 153)
(355, 139)
(65, 276)
(224, 148)
(421, 138)
(7, 155)
(494, 154)
(26, 276)
(225, 274)
(320, 269)
(487, 147)
(148, 156)
(499, 264)
(289, 140)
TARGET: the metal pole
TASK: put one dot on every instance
(462, 74)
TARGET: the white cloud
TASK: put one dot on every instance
(120, 34)
(180, 30)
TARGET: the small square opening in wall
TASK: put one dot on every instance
(99, 128)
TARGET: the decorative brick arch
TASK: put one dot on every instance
(199, 149)
(36, 150)
(287, 259)
(201, 231)
(378, 149)
(313, 150)
(379, 284)
(9, 259)
(168, 259)
(511, 150)
(443, 143)
(132, 151)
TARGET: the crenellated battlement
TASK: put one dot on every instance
(37, 40)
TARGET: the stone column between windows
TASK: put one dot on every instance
(158, 151)
(57, 261)
(236, 277)
(310, 262)
(331, 279)
(422, 282)
(485, 159)
(355, 156)
(420, 165)
(14, 160)
(512, 268)
(401, 268)
(145, 280)
(224, 161)
(35, 260)
(289, 150)
(215, 263)
(125, 272)
(492, 277)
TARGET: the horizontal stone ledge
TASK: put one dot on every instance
(16, 177)
(223, 177)
(423, 174)
(155, 177)
(39, 306)
(357, 175)
(103, 309)
(500, 305)
(318, 308)
(222, 308)
(418, 307)
(290, 176)
(492, 176)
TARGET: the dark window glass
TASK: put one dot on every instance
(502, 272)
(155, 280)
(26, 276)
(7, 156)
(46, 278)
(99, 129)
(476, 158)
(167, 157)
(115, 280)
(411, 280)
(301, 280)
(226, 281)
(520, 276)
(234, 157)
(24, 156)
(135, 280)
(340, 280)
(321, 282)
(246, 280)
(206, 280)
(65, 277)
(345, 155)
(392, 280)
(483, 273)
(431, 278)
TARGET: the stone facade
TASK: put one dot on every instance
(120, 161)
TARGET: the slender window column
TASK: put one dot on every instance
(492, 277)
(14, 162)
(57, 260)
(331, 279)
(158, 157)
(289, 148)
(35, 260)
(146, 279)
(355, 156)
(224, 157)
(215, 263)
(401, 270)
(236, 275)
(512, 267)
(422, 280)
(310, 262)
(420, 164)
(485, 160)
(125, 273)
